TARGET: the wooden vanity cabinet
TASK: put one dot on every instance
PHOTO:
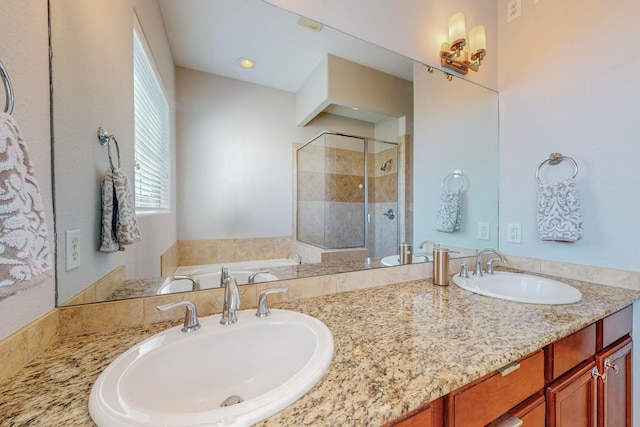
(614, 402)
(559, 386)
(592, 393)
(429, 416)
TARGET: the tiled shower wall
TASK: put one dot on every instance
(331, 197)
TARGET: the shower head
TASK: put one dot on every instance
(386, 165)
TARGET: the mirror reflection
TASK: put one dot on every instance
(238, 196)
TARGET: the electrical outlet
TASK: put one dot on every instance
(514, 9)
(72, 249)
(484, 231)
(514, 233)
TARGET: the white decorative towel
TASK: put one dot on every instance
(25, 259)
(119, 221)
(559, 214)
(450, 212)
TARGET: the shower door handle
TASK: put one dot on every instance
(391, 214)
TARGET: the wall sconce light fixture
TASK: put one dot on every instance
(453, 54)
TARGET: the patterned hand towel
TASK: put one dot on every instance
(559, 214)
(119, 221)
(25, 259)
(450, 212)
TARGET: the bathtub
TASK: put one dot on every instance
(209, 274)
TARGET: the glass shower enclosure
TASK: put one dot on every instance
(347, 193)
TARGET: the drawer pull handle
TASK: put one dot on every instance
(506, 370)
(507, 420)
(608, 364)
(595, 374)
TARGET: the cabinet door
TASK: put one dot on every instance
(614, 395)
(571, 400)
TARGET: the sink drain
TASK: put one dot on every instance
(232, 400)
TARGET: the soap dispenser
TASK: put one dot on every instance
(440, 266)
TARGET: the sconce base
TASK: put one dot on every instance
(447, 60)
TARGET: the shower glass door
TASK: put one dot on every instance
(382, 168)
(332, 196)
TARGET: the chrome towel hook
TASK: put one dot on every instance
(456, 174)
(105, 138)
(7, 88)
(554, 159)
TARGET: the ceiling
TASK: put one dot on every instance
(211, 36)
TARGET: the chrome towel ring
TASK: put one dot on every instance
(105, 139)
(554, 159)
(7, 88)
(456, 174)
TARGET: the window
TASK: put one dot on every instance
(151, 131)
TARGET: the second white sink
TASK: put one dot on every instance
(520, 287)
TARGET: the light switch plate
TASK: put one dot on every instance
(72, 249)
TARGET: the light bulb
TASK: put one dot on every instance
(477, 43)
(457, 31)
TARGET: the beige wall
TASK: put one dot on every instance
(93, 86)
(233, 188)
(589, 112)
(24, 52)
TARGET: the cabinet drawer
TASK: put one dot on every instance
(531, 413)
(486, 399)
(571, 351)
(616, 326)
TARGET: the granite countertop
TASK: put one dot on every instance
(397, 347)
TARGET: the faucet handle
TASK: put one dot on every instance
(252, 276)
(490, 265)
(263, 306)
(464, 272)
(191, 316)
(195, 282)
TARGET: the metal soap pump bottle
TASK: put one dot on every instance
(441, 265)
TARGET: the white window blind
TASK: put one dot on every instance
(151, 132)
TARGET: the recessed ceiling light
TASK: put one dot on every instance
(246, 63)
(355, 108)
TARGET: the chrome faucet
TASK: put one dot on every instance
(295, 256)
(224, 275)
(477, 271)
(424, 242)
(252, 276)
(231, 301)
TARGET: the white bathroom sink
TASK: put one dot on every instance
(181, 379)
(520, 287)
(210, 280)
(392, 260)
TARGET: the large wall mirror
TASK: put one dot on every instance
(235, 135)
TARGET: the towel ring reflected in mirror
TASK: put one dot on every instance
(7, 88)
(105, 139)
(456, 174)
(554, 159)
